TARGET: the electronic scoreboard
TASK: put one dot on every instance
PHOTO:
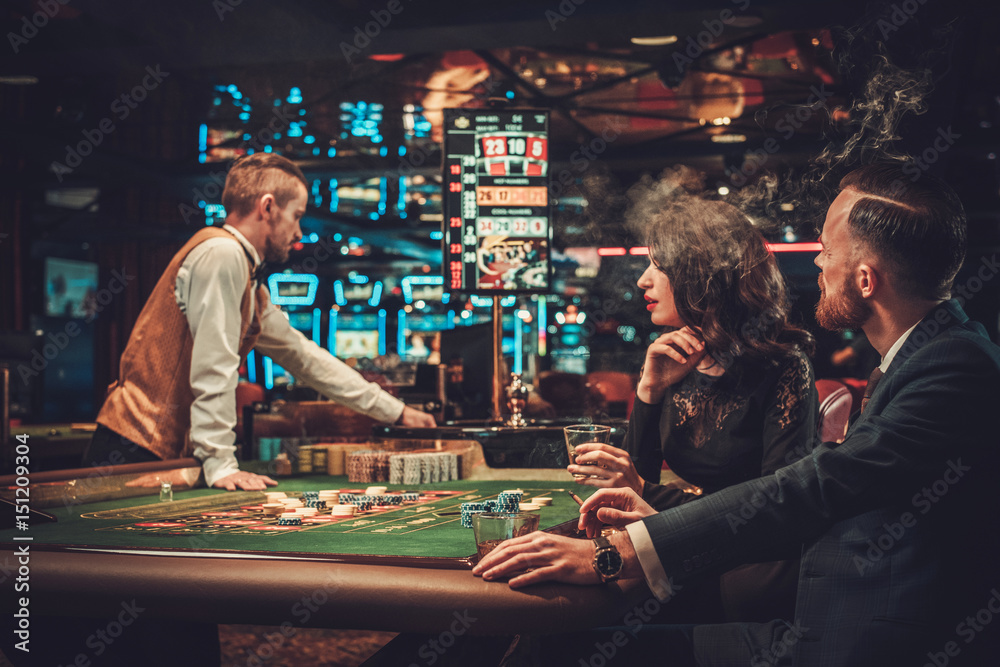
(497, 227)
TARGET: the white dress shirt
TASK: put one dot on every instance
(209, 289)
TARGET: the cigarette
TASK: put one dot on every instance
(575, 497)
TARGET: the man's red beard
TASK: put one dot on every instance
(274, 253)
(844, 310)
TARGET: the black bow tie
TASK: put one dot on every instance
(259, 274)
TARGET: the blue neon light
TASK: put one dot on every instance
(518, 351)
(316, 319)
(251, 366)
(331, 336)
(202, 142)
(437, 235)
(376, 295)
(268, 373)
(276, 279)
(381, 326)
(338, 293)
(334, 196)
(401, 332)
(357, 278)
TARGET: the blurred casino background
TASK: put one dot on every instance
(119, 119)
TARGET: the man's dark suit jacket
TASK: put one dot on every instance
(899, 522)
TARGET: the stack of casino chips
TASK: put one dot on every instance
(290, 519)
(273, 509)
(368, 465)
(291, 503)
(423, 468)
(342, 511)
(468, 509)
(509, 501)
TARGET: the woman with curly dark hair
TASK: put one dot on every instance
(726, 394)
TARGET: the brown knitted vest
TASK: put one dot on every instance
(150, 403)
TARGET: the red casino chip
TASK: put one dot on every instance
(237, 522)
(222, 515)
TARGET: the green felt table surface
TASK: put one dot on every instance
(424, 529)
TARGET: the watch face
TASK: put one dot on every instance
(609, 563)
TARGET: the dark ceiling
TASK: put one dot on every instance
(748, 87)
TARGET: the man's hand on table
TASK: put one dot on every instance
(550, 558)
(566, 559)
(416, 419)
(243, 480)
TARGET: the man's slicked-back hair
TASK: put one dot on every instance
(917, 226)
(253, 176)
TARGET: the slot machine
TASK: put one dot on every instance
(427, 312)
(357, 323)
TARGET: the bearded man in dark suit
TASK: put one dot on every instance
(898, 525)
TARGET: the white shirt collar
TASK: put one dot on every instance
(891, 354)
(246, 244)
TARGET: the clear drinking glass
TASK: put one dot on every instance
(580, 434)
